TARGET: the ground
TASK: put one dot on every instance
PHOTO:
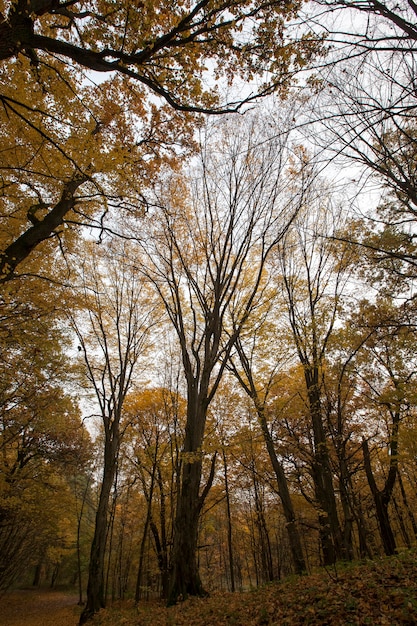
(382, 592)
(39, 608)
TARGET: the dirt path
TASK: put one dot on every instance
(38, 608)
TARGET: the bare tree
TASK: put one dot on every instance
(385, 26)
(365, 105)
(206, 260)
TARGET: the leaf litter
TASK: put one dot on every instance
(382, 592)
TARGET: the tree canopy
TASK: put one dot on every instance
(207, 312)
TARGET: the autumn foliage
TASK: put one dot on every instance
(207, 308)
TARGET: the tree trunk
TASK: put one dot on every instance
(330, 531)
(347, 534)
(229, 526)
(55, 572)
(109, 546)
(346, 493)
(407, 505)
(401, 523)
(381, 499)
(149, 498)
(285, 496)
(267, 570)
(95, 586)
(38, 573)
(79, 572)
(162, 556)
(162, 546)
(185, 576)
(387, 535)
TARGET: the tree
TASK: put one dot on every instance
(387, 368)
(226, 423)
(206, 260)
(111, 324)
(162, 47)
(255, 495)
(152, 445)
(42, 438)
(367, 115)
(388, 248)
(70, 156)
(81, 486)
(256, 374)
(367, 103)
(366, 36)
(155, 57)
(313, 278)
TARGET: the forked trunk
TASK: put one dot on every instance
(382, 499)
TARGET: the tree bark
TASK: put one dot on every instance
(330, 531)
(95, 586)
(41, 230)
(229, 524)
(381, 499)
(185, 576)
(285, 496)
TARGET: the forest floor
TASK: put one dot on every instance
(379, 593)
(30, 607)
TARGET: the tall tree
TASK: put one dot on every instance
(256, 370)
(111, 324)
(313, 278)
(206, 260)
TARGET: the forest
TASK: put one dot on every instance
(207, 309)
